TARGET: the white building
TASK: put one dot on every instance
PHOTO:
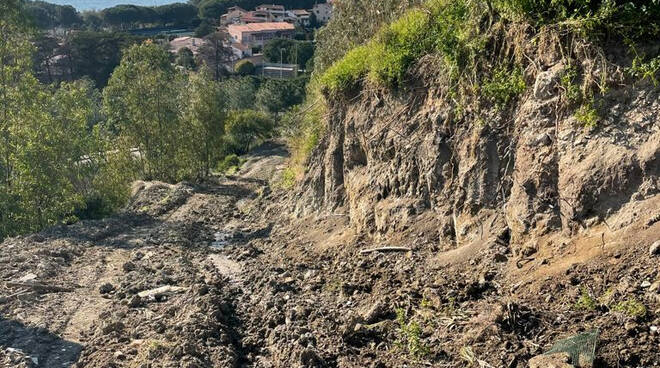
(323, 12)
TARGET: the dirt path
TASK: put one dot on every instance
(222, 275)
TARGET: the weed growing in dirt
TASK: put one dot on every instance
(631, 307)
(587, 115)
(586, 302)
(645, 70)
(504, 85)
(287, 180)
(410, 339)
(568, 80)
(229, 163)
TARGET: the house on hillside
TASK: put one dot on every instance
(300, 17)
(277, 13)
(323, 12)
(258, 34)
(255, 16)
(233, 15)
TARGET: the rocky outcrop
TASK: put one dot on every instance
(389, 158)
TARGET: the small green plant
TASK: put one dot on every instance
(410, 336)
(586, 302)
(287, 179)
(571, 88)
(631, 307)
(587, 115)
(229, 164)
(645, 70)
(504, 85)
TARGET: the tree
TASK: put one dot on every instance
(141, 105)
(176, 14)
(203, 115)
(246, 127)
(244, 67)
(185, 58)
(240, 92)
(276, 96)
(290, 51)
(215, 53)
(94, 54)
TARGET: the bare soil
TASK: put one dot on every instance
(221, 274)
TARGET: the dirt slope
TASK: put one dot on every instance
(230, 278)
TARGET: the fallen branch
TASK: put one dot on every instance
(40, 288)
(385, 249)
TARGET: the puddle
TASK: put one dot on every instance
(221, 239)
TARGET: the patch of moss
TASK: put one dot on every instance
(586, 302)
(631, 307)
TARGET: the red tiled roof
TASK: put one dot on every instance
(261, 27)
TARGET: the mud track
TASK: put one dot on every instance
(221, 275)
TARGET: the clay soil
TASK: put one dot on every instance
(220, 274)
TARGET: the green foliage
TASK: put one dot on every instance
(446, 27)
(228, 163)
(45, 135)
(454, 30)
(410, 336)
(276, 95)
(244, 67)
(93, 54)
(645, 70)
(631, 307)
(202, 123)
(586, 302)
(241, 92)
(185, 58)
(346, 73)
(587, 115)
(288, 51)
(354, 23)
(287, 179)
(504, 85)
(568, 82)
(246, 128)
(174, 121)
(629, 18)
(46, 15)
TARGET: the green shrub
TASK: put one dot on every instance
(410, 336)
(398, 46)
(568, 82)
(244, 67)
(228, 163)
(504, 85)
(586, 302)
(631, 307)
(645, 70)
(346, 73)
(587, 115)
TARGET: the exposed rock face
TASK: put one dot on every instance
(389, 159)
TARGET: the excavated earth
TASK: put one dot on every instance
(221, 275)
(235, 272)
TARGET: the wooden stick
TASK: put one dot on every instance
(40, 288)
(386, 249)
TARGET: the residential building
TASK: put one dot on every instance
(257, 34)
(241, 51)
(277, 13)
(256, 16)
(300, 17)
(323, 12)
(233, 15)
